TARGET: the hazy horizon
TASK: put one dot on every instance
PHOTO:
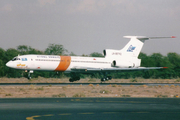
(86, 26)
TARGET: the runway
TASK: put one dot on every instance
(90, 109)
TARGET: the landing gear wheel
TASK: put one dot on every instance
(74, 77)
(103, 79)
(106, 78)
(109, 77)
(71, 80)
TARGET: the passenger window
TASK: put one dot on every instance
(24, 59)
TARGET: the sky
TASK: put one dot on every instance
(87, 26)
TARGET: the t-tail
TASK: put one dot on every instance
(132, 48)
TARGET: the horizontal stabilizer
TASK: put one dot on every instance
(142, 38)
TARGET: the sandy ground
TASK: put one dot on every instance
(30, 91)
(87, 80)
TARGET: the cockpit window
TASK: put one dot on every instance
(14, 59)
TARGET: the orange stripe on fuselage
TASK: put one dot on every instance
(64, 63)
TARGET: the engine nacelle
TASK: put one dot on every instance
(122, 64)
(125, 63)
(110, 52)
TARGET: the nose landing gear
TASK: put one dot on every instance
(29, 74)
(106, 78)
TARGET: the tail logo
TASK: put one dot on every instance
(131, 48)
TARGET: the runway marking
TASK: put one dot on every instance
(109, 112)
(76, 100)
(65, 114)
(29, 118)
(86, 113)
(108, 101)
(36, 116)
(80, 100)
(140, 112)
(49, 115)
(32, 117)
(171, 112)
(121, 101)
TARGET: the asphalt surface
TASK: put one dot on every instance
(90, 109)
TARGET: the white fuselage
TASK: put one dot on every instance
(66, 63)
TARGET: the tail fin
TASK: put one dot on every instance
(134, 46)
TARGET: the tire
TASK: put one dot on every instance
(71, 80)
(103, 79)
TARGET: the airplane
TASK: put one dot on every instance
(125, 59)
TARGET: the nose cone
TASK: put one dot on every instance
(9, 64)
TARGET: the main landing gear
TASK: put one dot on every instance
(74, 77)
(106, 78)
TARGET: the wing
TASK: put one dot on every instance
(83, 69)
